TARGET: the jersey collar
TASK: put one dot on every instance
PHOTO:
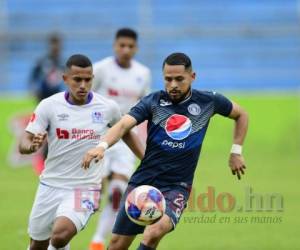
(119, 65)
(188, 98)
(89, 99)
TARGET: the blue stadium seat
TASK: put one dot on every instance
(234, 44)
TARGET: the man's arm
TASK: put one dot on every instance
(112, 136)
(30, 143)
(236, 160)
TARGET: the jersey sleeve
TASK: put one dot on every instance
(116, 113)
(142, 110)
(39, 121)
(222, 105)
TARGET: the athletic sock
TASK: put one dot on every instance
(67, 247)
(105, 222)
(108, 216)
(144, 247)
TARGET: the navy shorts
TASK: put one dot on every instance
(176, 199)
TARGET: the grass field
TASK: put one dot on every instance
(272, 153)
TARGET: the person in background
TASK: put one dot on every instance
(178, 118)
(46, 75)
(73, 121)
(124, 80)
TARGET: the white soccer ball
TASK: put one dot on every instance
(145, 205)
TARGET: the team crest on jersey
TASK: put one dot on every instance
(194, 109)
(97, 117)
(178, 127)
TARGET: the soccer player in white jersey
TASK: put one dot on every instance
(73, 121)
(125, 80)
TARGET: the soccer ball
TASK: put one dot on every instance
(145, 205)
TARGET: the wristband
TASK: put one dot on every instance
(236, 149)
(103, 144)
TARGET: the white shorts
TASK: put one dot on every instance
(51, 202)
(119, 159)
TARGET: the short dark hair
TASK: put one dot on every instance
(78, 60)
(178, 59)
(126, 32)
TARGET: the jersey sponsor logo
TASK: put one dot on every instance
(32, 118)
(77, 134)
(173, 144)
(97, 117)
(124, 93)
(194, 109)
(164, 103)
(63, 117)
(113, 92)
(62, 133)
(178, 127)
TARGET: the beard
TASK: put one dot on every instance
(177, 96)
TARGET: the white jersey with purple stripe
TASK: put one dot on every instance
(175, 135)
(72, 130)
(124, 85)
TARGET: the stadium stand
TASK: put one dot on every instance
(235, 45)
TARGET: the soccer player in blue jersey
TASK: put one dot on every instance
(178, 118)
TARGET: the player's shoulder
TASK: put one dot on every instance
(105, 62)
(139, 66)
(154, 97)
(48, 103)
(204, 95)
(155, 94)
(101, 99)
(56, 98)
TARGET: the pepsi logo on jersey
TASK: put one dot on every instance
(178, 127)
(173, 144)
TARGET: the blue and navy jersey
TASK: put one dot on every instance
(175, 135)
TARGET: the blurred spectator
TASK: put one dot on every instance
(46, 80)
(46, 75)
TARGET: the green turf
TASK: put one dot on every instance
(273, 160)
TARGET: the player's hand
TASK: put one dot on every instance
(94, 153)
(37, 142)
(237, 165)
